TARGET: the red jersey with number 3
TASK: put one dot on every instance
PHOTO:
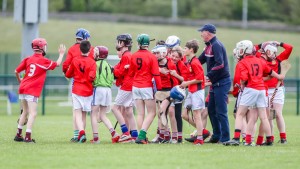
(35, 67)
(252, 70)
(143, 68)
(83, 70)
(122, 74)
(74, 52)
(196, 72)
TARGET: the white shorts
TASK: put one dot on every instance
(142, 93)
(28, 98)
(253, 98)
(279, 96)
(124, 98)
(102, 96)
(82, 102)
(196, 100)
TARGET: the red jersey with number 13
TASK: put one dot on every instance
(252, 70)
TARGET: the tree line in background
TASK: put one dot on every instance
(271, 10)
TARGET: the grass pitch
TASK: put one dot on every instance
(53, 149)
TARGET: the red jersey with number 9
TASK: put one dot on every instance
(35, 67)
(143, 68)
(252, 70)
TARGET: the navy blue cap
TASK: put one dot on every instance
(208, 27)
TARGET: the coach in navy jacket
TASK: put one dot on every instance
(214, 55)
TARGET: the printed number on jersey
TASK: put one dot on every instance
(255, 69)
(139, 62)
(31, 70)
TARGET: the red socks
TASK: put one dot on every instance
(248, 139)
(282, 135)
(204, 131)
(28, 136)
(259, 140)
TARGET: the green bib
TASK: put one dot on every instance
(104, 75)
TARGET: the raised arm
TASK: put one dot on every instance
(61, 51)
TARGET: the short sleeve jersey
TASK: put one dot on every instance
(35, 67)
(252, 70)
(144, 67)
(195, 72)
(83, 70)
(74, 52)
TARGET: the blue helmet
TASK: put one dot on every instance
(177, 93)
(82, 34)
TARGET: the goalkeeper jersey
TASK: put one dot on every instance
(104, 74)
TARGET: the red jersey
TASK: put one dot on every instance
(119, 80)
(168, 81)
(275, 64)
(143, 68)
(236, 79)
(182, 70)
(122, 74)
(195, 72)
(35, 67)
(73, 52)
(83, 70)
(252, 70)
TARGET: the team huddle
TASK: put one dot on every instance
(167, 81)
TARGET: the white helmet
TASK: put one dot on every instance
(270, 51)
(172, 41)
(160, 49)
(235, 54)
(244, 47)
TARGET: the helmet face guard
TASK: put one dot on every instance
(270, 51)
(244, 47)
(161, 50)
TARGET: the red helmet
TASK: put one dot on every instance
(100, 52)
(38, 44)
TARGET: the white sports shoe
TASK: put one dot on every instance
(125, 138)
(194, 133)
(155, 138)
(173, 141)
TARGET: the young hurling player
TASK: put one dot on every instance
(253, 95)
(73, 52)
(196, 85)
(31, 85)
(102, 96)
(143, 68)
(124, 100)
(269, 50)
(83, 70)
